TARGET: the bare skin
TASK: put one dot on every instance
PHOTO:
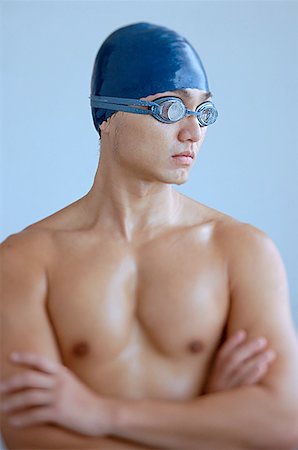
(130, 286)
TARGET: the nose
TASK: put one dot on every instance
(190, 130)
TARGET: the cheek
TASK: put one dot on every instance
(143, 133)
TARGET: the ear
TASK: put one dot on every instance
(103, 126)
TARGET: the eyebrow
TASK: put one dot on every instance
(186, 94)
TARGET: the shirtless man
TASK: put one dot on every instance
(124, 297)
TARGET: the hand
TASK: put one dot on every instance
(239, 363)
(54, 395)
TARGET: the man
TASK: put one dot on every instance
(135, 287)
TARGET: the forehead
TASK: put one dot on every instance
(195, 95)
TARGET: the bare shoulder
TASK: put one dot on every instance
(235, 238)
(24, 256)
(239, 235)
(225, 226)
(251, 255)
(37, 240)
(229, 231)
(248, 248)
(243, 240)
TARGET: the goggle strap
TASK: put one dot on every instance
(119, 101)
(123, 108)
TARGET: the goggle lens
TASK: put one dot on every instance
(172, 110)
(207, 113)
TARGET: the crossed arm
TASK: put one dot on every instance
(258, 416)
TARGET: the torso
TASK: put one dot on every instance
(139, 322)
(143, 320)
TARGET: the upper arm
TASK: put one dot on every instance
(260, 304)
(24, 323)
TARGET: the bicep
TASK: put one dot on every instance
(24, 324)
(260, 304)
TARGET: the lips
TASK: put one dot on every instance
(185, 158)
(188, 154)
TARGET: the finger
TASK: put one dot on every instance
(245, 351)
(33, 417)
(28, 379)
(36, 361)
(26, 399)
(231, 343)
(256, 375)
(252, 370)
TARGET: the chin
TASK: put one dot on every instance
(183, 178)
(179, 182)
(178, 177)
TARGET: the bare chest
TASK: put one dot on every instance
(166, 302)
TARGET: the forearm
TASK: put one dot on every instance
(43, 437)
(240, 419)
(47, 437)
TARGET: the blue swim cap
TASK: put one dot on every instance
(144, 59)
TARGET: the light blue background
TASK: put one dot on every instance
(248, 164)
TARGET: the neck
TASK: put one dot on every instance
(129, 206)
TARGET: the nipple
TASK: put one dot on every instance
(196, 346)
(80, 349)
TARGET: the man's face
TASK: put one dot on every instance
(145, 147)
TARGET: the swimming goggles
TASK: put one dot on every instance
(164, 109)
